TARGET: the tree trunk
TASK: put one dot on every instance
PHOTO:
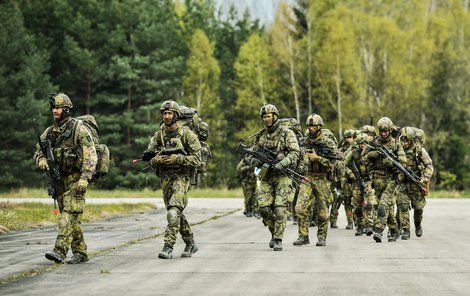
(261, 83)
(309, 66)
(88, 94)
(338, 94)
(129, 107)
(292, 78)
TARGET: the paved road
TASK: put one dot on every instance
(234, 259)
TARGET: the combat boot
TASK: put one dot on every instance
(312, 223)
(378, 236)
(166, 253)
(359, 231)
(321, 242)
(249, 213)
(333, 225)
(295, 221)
(54, 256)
(272, 242)
(350, 226)
(302, 240)
(394, 234)
(369, 231)
(189, 250)
(77, 259)
(406, 234)
(418, 230)
(277, 245)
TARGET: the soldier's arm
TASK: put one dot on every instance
(328, 164)
(38, 155)
(293, 147)
(154, 143)
(85, 141)
(193, 147)
(401, 154)
(428, 169)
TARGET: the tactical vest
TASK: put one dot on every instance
(68, 156)
(314, 167)
(377, 167)
(171, 142)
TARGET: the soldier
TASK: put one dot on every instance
(419, 162)
(318, 168)
(344, 192)
(178, 157)
(74, 150)
(248, 179)
(385, 178)
(363, 195)
(275, 186)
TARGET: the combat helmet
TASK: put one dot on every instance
(314, 119)
(370, 130)
(171, 105)
(349, 133)
(361, 138)
(61, 100)
(269, 108)
(385, 124)
(419, 136)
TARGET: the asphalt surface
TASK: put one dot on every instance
(234, 259)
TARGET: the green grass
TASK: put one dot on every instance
(449, 194)
(22, 216)
(96, 193)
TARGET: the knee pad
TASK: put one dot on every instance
(173, 216)
(381, 211)
(280, 213)
(265, 212)
(404, 207)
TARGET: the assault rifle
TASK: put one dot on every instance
(322, 150)
(412, 176)
(53, 174)
(269, 161)
(357, 175)
(149, 154)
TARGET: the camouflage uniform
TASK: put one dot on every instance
(318, 194)
(385, 178)
(76, 156)
(346, 188)
(418, 161)
(176, 176)
(275, 187)
(248, 178)
(363, 203)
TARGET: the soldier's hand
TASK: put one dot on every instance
(170, 159)
(372, 155)
(42, 164)
(158, 159)
(387, 162)
(312, 155)
(81, 186)
(147, 155)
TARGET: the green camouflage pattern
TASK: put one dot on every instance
(76, 162)
(248, 179)
(176, 177)
(275, 188)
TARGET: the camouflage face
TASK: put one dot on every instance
(170, 108)
(407, 137)
(268, 119)
(349, 133)
(369, 129)
(362, 139)
(168, 117)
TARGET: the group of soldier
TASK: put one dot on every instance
(295, 176)
(378, 173)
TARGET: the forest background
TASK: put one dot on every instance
(345, 60)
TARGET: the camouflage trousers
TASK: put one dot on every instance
(384, 187)
(364, 205)
(409, 196)
(313, 200)
(71, 206)
(346, 199)
(249, 193)
(175, 190)
(273, 194)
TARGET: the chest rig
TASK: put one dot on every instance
(64, 143)
(171, 142)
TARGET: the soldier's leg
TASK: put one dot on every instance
(357, 203)
(348, 208)
(302, 211)
(418, 201)
(385, 209)
(78, 241)
(176, 193)
(246, 197)
(283, 191)
(321, 207)
(403, 208)
(64, 236)
(334, 214)
(265, 203)
(369, 208)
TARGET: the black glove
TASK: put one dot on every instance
(148, 155)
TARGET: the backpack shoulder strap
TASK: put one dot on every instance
(77, 125)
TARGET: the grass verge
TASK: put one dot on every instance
(22, 216)
(119, 193)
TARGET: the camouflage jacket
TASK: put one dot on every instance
(178, 138)
(320, 165)
(378, 164)
(281, 142)
(418, 160)
(246, 171)
(73, 147)
(354, 154)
